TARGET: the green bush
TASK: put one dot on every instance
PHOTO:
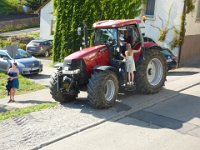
(22, 46)
(4, 43)
(20, 39)
(11, 6)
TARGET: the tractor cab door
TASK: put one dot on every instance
(130, 34)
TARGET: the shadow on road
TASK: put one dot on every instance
(181, 73)
(172, 113)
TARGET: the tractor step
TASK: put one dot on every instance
(129, 87)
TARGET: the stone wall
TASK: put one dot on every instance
(17, 23)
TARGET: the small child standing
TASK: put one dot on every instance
(130, 63)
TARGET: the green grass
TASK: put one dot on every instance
(10, 7)
(27, 110)
(30, 35)
(25, 85)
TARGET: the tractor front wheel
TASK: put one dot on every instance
(58, 95)
(102, 89)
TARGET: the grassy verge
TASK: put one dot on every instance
(10, 7)
(25, 85)
(23, 111)
(33, 34)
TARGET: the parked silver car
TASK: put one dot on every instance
(5, 64)
(39, 47)
(26, 63)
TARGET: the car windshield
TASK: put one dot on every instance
(3, 55)
(22, 54)
(35, 43)
(106, 36)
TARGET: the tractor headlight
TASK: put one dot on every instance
(77, 71)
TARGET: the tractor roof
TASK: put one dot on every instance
(115, 23)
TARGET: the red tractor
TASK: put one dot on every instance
(100, 69)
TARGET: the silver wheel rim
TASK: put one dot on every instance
(109, 90)
(154, 71)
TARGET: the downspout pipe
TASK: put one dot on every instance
(180, 47)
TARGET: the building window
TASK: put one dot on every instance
(198, 11)
(53, 24)
(150, 7)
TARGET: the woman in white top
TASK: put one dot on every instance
(130, 63)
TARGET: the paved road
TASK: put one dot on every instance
(13, 33)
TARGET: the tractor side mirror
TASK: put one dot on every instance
(79, 31)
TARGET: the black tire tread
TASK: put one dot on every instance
(56, 95)
(95, 93)
(142, 84)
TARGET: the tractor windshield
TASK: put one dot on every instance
(106, 36)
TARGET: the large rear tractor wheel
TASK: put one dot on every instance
(58, 95)
(103, 89)
(151, 72)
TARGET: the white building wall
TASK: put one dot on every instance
(192, 25)
(162, 9)
(46, 17)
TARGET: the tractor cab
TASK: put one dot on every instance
(116, 34)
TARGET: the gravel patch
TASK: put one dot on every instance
(32, 130)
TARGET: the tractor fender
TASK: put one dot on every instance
(154, 47)
(148, 47)
(151, 45)
(104, 68)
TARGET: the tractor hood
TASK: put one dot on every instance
(85, 52)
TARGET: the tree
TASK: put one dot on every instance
(34, 4)
(71, 14)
